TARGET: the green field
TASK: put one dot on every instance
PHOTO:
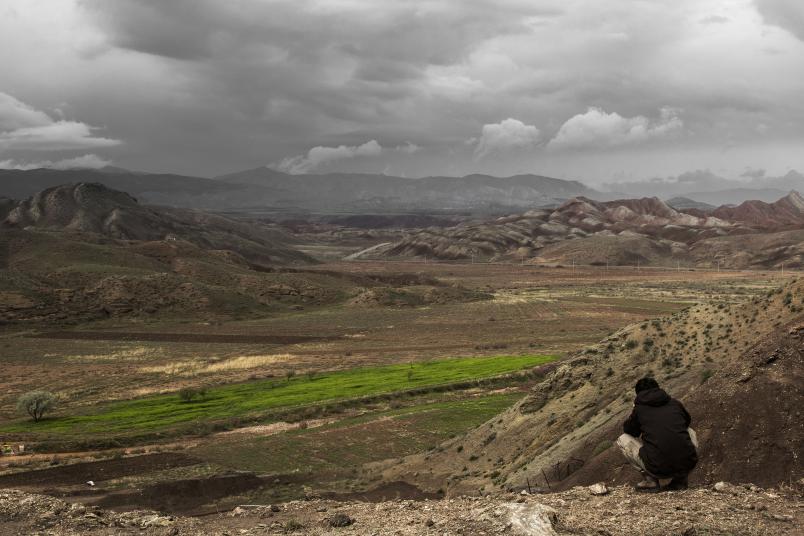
(159, 413)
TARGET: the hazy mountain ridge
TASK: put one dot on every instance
(266, 188)
(336, 192)
(355, 190)
(685, 203)
(707, 187)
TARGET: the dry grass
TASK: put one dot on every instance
(510, 296)
(130, 354)
(193, 368)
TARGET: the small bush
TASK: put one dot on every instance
(601, 447)
(705, 375)
(190, 394)
(292, 526)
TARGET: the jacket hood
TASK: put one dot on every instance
(652, 397)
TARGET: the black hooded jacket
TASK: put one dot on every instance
(662, 422)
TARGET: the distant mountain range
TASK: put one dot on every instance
(363, 192)
(273, 191)
(263, 188)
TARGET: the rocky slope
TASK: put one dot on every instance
(628, 231)
(746, 511)
(787, 212)
(94, 208)
(720, 360)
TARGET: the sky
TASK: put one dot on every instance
(603, 92)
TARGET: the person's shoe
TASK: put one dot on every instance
(648, 484)
(678, 484)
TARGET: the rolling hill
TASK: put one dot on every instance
(627, 231)
(84, 252)
(96, 209)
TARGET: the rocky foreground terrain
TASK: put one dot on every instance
(720, 510)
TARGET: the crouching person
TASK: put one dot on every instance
(658, 441)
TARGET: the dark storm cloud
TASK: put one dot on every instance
(203, 86)
(308, 69)
(418, 32)
(787, 14)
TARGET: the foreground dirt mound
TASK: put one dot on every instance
(739, 369)
(731, 510)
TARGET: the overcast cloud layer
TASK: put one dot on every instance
(603, 92)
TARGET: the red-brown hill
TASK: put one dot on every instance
(787, 212)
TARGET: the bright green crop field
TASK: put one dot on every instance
(263, 397)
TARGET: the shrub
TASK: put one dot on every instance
(189, 394)
(36, 403)
(292, 526)
(601, 447)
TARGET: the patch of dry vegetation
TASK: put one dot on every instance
(194, 368)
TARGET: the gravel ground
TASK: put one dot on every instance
(724, 510)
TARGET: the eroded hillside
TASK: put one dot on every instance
(96, 209)
(739, 370)
(624, 232)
